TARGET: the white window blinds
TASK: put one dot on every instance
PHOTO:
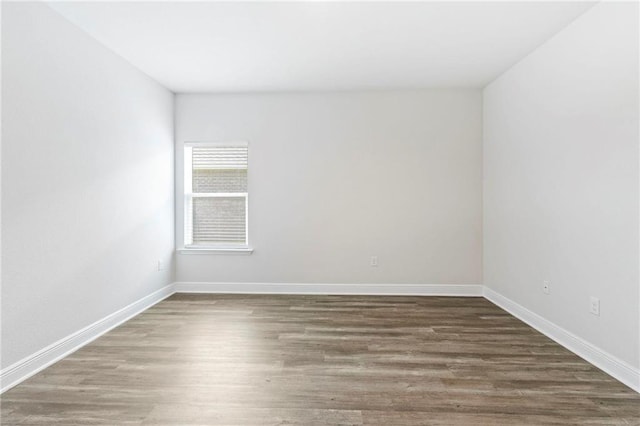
(216, 195)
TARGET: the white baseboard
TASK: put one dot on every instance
(608, 363)
(463, 290)
(27, 367)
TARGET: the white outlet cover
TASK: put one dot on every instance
(594, 306)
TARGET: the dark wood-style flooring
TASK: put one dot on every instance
(321, 360)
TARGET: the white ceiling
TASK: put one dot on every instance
(268, 46)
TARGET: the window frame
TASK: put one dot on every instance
(189, 195)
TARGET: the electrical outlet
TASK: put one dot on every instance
(546, 287)
(594, 306)
(160, 265)
(374, 261)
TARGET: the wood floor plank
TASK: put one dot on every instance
(321, 360)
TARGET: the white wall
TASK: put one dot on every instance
(561, 180)
(335, 178)
(87, 181)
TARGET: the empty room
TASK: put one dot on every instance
(320, 213)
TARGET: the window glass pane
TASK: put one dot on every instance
(219, 180)
(219, 220)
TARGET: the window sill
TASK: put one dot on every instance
(204, 250)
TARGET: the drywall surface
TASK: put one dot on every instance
(87, 181)
(335, 178)
(561, 180)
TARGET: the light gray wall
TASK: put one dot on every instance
(335, 178)
(87, 181)
(561, 179)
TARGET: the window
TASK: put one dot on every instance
(216, 195)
